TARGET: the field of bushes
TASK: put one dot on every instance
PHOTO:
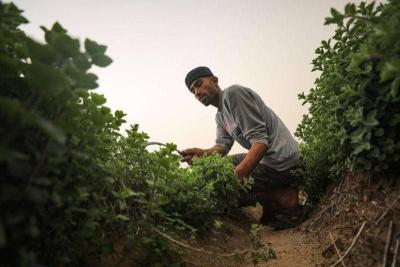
(73, 184)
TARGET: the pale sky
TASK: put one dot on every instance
(266, 45)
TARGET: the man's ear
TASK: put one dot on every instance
(214, 79)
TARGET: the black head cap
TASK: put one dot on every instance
(196, 73)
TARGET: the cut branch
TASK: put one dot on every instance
(387, 210)
(337, 250)
(396, 251)
(200, 250)
(351, 246)
(387, 246)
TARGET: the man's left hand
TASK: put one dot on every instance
(251, 160)
(241, 172)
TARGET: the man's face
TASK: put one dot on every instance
(205, 89)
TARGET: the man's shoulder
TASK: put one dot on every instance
(235, 90)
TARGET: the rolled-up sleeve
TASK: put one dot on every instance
(246, 113)
(223, 138)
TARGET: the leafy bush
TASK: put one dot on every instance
(353, 121)
(207, 190)
(71, 184)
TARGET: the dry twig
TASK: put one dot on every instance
(378, 230)
(395, 252)
(387, 210)
(387, 246)
(342, 227)
(351, 246)
(336, 248)
(200, 250)
(321, 214)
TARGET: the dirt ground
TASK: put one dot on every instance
(358, 217)
(292, 247)
(362, 216)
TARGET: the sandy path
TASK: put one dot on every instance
(292, 247)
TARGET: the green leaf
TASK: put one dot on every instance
(101, 60)
(370, 7)
(163, 200)
(98, 99)
(82, 93)
(360, 148)
(44, 53)
(82, 62)
(94, 48)
(394, 88)
(354, 115)
(11, 15)
(51, 130)
(46, 78)
(350, 9)
(371, 118)
(357, 135)
(58, 28)
(105, 110)
(66, 45)
(121, 217)
(329, 21)
(88, 81)
(127, 192)
(81, 79)
(119, 114)
(390, 70)
(337, 18)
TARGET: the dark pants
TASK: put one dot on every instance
(265, 179)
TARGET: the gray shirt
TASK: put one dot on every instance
(243, 117)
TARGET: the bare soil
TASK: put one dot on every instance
(358, 221)
(358, 211)
(292, 246)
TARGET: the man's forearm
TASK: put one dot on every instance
(189, 153)
(216, 148)
(251, 160)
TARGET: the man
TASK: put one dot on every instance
(242, 116)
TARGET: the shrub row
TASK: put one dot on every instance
(354, 115)
(71, 184)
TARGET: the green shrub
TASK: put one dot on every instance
(206, 191)
(71, 184)
(353, 121)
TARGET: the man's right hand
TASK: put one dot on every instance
(189, 153)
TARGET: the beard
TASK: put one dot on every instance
(205, 100)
